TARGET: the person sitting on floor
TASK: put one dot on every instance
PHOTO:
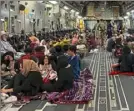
(110, 44)
(29, 82)
(125, 62)
(65, 77)
(75, 39)
(44, 43)
(48, 69)
(34, 41)
(74, 60)
(59, 51)
(28, 53)
(39, 53)
(65, 48)
(5, 45)
(8, 64)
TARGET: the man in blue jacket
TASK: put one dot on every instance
(74, 60)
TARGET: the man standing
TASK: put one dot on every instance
(102, 28)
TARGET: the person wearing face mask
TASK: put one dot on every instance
(5, 45)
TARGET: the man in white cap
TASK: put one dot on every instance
(5, 45)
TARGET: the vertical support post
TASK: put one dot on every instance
(9, 20)
(24, 20)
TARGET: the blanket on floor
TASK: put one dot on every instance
(121, 73)
(81, 92)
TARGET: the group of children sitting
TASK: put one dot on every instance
(44, 66)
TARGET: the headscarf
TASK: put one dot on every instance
(2, 33)
(41, 43)
(34, 39)
(75, 40)
(29, 65)
(46, 49)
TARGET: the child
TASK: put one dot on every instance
(74, 60)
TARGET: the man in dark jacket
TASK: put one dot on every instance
(110, 44)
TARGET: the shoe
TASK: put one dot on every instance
(95, 50)
(10, 99)
(4, 96)
(91, 51)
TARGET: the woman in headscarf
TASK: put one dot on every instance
(65, 77)
(34, 41)
(43, 43)
(126, 61)
(28, 82)
(75, 39)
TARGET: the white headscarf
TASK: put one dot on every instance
(3, 33)
(46, 49)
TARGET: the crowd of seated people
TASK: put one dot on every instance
(121, 47)
(50, 65)
(126, 61)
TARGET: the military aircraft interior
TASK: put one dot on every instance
(67, 55)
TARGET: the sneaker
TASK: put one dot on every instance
(10, 99)
(95, 50)
(4, 96)
(91, 51)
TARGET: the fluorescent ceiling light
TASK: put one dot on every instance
(48, 5)
(128, 13)
(79, 17)
(31, 21)
(77, 13)
(53, 2)
(126, 17)
(11, 10)
(19, 20)
(66, 8)
(2, 20)
(39, 1)
(132, 11)
(72, 11)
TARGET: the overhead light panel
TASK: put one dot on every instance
(19, 20)
(49, 5)
(2, 20)
(66, 8)
(11, 10)
(79, 17)
(77, 13)
(53, 2)
(132, 11)
(72, 11)
(128, 13)
(40, 1)
(126, 17)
